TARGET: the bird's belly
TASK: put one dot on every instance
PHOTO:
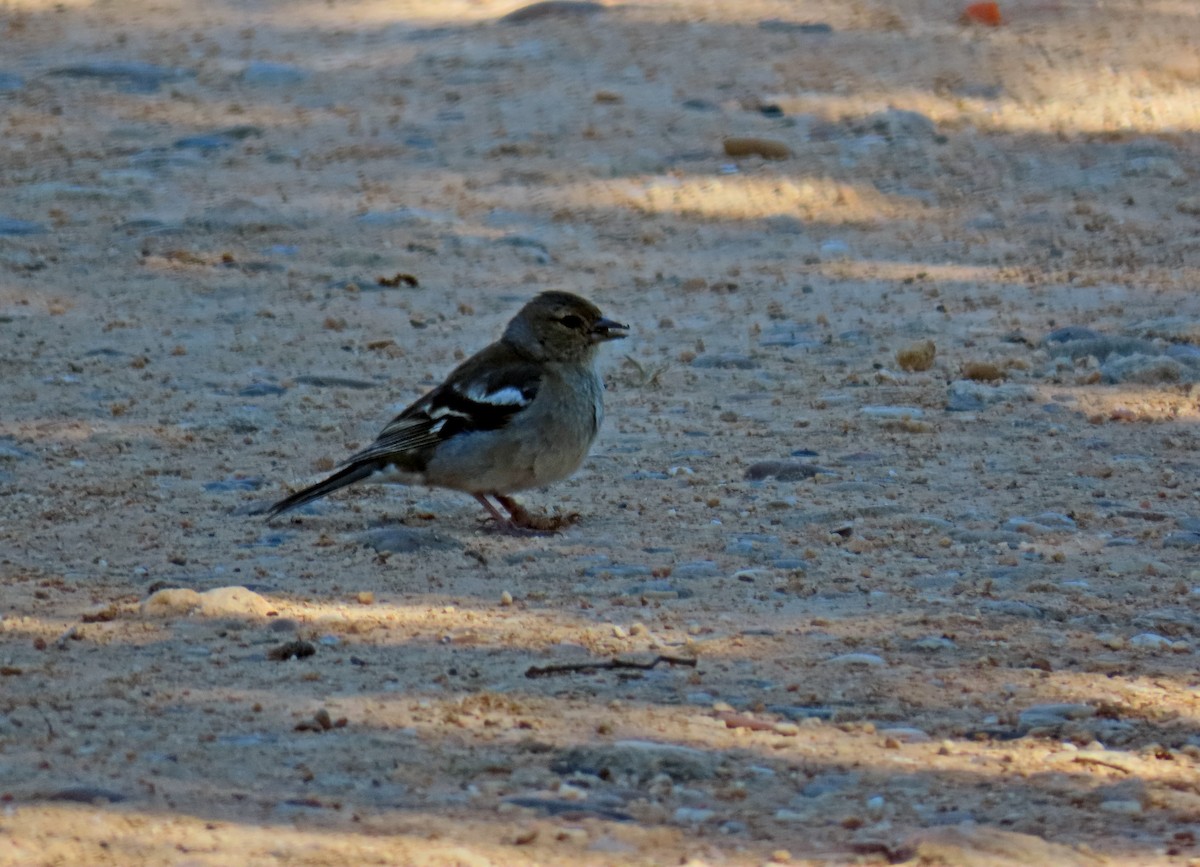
(484, 462)
(553, 442)
(393, 475)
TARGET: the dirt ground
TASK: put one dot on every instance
(898, 475)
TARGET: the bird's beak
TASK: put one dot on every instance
(607, 329)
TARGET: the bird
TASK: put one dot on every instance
(521, 413)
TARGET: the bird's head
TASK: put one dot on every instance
(559, 326)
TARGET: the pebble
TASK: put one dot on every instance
(219, 140)
(87, 795)
(1039, 715)
(869, 660)
(696, 569)
(617, 570)
(1122, 807)
(129, 76)
(64, 192)
(553, 9)
(725, 361)
(966, 395)
(693, 815)
(242, 216)
(767, 148)
(405, 217)
(234, 484)
(1102, 347)
(407, 540)
(1185, 539)
(905, 734)
(784, 471)
(1150, 641)
(1146, 370)
(825, 784)
(10, 451)
(263, 73)
(557, 807)
(834, 249)
(893, 412)
(1070, 333)
(762, 545)
(206, 144)
(778, 25)
(266, 540)
(789, 336)
(785, 815)
(897, 124)
(934, 642)
(534, 250)
(638, 760)
(317, 380)
(245, 740)
(261, 389)
(1164, 168)
(802, 712)
(976, 845)
(1184, 352)
(646, 475)
(1179, 329)
(659, 589)
(1012, 607)
(1047, 522)
(12, 227)
(749, 576)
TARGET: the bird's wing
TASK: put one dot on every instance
(483, 393)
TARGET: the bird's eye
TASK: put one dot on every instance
(572, 321)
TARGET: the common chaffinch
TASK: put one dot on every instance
(520, 413)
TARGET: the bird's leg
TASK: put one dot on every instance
(492, 510)
(522, 518)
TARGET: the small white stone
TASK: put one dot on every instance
(693, 815)
(1122, 807)
(870, 660)
(789, 816)
(572, 793)
(904, 734)
(1149, 641)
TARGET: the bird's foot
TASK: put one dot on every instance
(521, 520)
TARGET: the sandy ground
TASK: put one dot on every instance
(944, 615)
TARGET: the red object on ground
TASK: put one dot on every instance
(983, 13)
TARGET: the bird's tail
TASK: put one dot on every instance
(348, 475)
